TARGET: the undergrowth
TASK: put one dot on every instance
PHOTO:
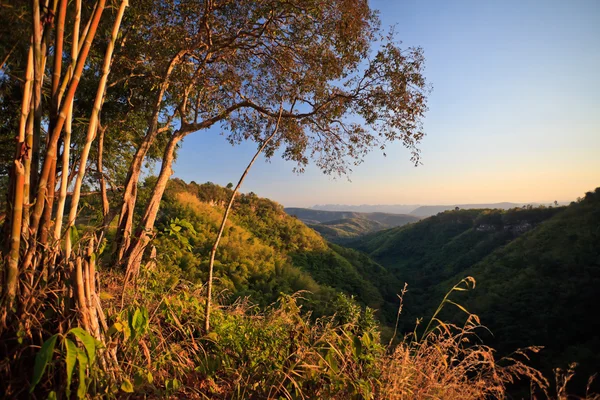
(280, 352)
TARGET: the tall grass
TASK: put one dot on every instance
(284, 353)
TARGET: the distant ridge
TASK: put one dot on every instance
(368, 208)
(421, 211)
(427, 211)
(312, 216)
(340, 226)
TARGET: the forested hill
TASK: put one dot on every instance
(341, 226)
(537, 272)
(264, 251)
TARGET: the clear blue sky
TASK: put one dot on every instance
(514, 113)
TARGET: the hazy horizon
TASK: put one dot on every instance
(513, 115)
(434, 204)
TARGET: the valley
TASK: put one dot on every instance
(520, 258)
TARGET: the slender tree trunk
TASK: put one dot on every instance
(23, 151)
(122, 237)
(12, 274)
(33, 130)
(60, 209)
(213, 250)
(79, 286)
(95, 117)
(133, 255)
(51, 150)
(44, 32)
(101, 180)
(54, 106)
(26, 103)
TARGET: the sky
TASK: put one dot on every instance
(514, 114)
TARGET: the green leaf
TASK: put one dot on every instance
(139, 321)
(126, 386)
(71, 359)
(52, 395)
(83, 363)
(331, 360)
(42, 359)
(102, 246)
(73, 235)
(139, 379)
(88, 342)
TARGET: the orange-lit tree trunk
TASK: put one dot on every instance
(33, 129)
(94, 120)
(54, 105)
(125, 225)
(101, 180)
(133, 257)
(54, 135)
(64, 179)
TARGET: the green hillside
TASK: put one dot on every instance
(537, 272)
(341, 226)
(342, 230)
(264, 251)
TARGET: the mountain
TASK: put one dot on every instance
(537, 269)
(368, 208)
(339, 226)
(537, 273)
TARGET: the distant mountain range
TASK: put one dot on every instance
(368, 208)
(421, 211)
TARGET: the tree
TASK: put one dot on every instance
(43, 126)
(146, 78)
(232, 63)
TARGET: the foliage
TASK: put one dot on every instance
(71, 355)
(342, 230)
(281, 352)
(537, 270)
(264, 252)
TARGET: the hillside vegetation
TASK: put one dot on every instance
(340, 226)
(428, 211)
(341, 230)
(264, 251)
(537, 269)
(295, 317)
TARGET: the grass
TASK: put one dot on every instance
(279, 352)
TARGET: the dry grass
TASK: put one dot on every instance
(449, 363)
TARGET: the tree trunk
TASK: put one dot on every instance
(60, 209)
(12, 273)
(101, 180)
(51, 150)
(213, 250)
(122, 237)
(31, 162)
(134, 253)
(54, 106)
(95, 116)
(23, 151)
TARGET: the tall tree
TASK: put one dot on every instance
(234, 61)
